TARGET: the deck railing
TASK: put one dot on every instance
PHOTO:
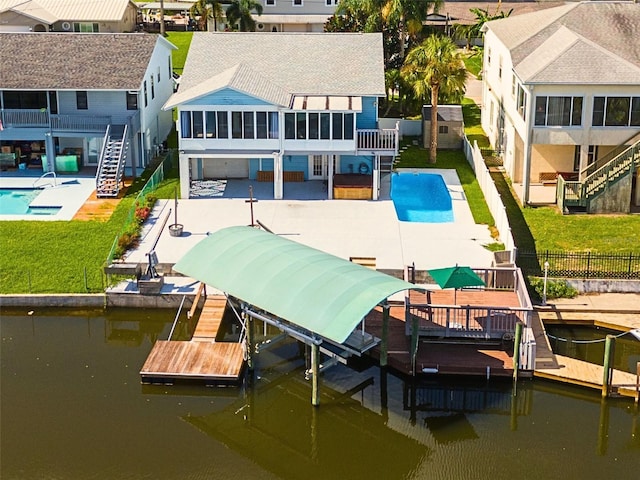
(378, 140)
(41, 118)
(477, 321)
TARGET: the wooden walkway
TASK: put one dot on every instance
(100, 209)
(201, 358)
(577, 372)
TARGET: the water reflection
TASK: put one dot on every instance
(73, 407)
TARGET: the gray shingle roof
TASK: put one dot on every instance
(75, 61)
(239, 77)
(302, 64)
(585, 42)
(54, 10)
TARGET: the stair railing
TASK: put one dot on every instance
(105, 141)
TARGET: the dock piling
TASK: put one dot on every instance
(609, 347)
(516, 349)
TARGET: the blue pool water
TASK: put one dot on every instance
(421, 197)
(16, 201)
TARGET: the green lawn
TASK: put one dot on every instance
(473, 62)
(182, 40)
(544, 228)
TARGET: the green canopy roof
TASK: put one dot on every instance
(319, 292)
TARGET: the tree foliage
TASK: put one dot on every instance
(470, 32)
(239, 13)
(435, 69)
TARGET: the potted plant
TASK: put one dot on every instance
(175, 230)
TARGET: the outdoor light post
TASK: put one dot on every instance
(544, 287)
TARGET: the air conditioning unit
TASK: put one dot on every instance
(260, 27)
(66, 26)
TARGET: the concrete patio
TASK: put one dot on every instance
(343, 228)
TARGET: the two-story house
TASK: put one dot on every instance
(294, 15)
(561, 102)
(282, 107)
(106, 16)
(95, 96)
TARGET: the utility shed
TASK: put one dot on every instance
(450, 126)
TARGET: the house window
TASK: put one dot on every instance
(522, 102)
(198, 124)
(330, 3)
(616, 111)
(297, 3)
(223, 125)
(86, 27)
(132, 100)
(82, 102)
(514, 84)
(210, 124)
(236, 124)
(337, 126)
(169, 64)
(145, 93)
(314, 126)
(325, 122)
(301, 126)
(500, 68)
(185, 124)
(489, 56)
(289, 126)
(270, 3)
(53, 102)
(443, 129)
(248, 127)
(592, 154)
(348, 126)
(558, 111)
(576, 158)
(158, 75)
(153, 89)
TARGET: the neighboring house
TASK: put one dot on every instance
(450, 126)
(105, 16)
(561, 95)
(70, 92)
(294, 15)
(282, 107)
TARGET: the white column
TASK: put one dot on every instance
(330, 177)
(376, 177)
(277, 176)
(526, 171)
(185, 180)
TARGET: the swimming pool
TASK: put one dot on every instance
(421, 197)
(16, 201)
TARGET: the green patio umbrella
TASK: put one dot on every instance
(456, 277)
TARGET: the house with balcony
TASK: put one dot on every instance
(106, 16)
(84, 102)
(294, 15)
(285, 107)
(561, 104)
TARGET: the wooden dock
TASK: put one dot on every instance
(585, 374)
(201, 358)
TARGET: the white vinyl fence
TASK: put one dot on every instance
(410, 128)
(491, 195)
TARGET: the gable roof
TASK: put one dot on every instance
(50, 11)
(75, 61)
(338, 64)
(240, 77)
(585, 42)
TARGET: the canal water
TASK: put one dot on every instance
(73, 407)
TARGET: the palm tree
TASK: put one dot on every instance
(469, 32)
(436, 67)
(407, 16)
(162, 27)
(206, 9)
(240, 12)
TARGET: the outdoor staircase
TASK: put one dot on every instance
(109, 177)
(576, 196)
(386, 163)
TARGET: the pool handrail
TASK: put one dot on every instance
(55, 179)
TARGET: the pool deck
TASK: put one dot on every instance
(345, 228)
(67, 192)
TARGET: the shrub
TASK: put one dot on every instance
(555, 288)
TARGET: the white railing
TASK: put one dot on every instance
(47, 174)
(378, 140)
(25, 118)
(528, 350)
(491, 195)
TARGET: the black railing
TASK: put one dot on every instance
(580, 264)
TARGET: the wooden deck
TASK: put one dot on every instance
(585, 374)
(201, 358)
(100, 209)
(217, 362)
